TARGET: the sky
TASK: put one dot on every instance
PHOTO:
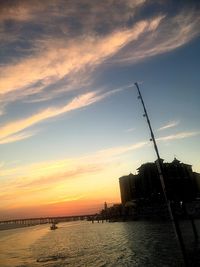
(70, 120)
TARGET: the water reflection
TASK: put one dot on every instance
(86, 244)
(15, 245)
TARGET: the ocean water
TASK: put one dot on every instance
(83, 243)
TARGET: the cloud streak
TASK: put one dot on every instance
(8, 132)
(15, 137)
(169, 34)
(57, 59)
(52, 168)
(77, 103)
(177, 136)
(41, 180)
(55, 62)
(54, 57)
(169, 125)
(9, 129)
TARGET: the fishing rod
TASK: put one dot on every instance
(162, 181)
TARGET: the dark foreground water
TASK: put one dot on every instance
(85, 244)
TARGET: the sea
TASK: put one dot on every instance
(83, 243)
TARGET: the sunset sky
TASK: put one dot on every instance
(70, 120)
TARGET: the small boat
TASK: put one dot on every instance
(53, 226)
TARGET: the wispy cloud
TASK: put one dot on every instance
(34, 179)
(168, 35)
(45, 178)
(12, 128)
(60, 57)
(73, 166)
(56, 59)
(47, 168)
(69, 167)
(56, 51)
(176, 136)
(169, 125)
(9, 130)
(130, 130)
(66, 199)
(116, 151)
(15, 137)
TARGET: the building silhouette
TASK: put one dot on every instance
(182, 184)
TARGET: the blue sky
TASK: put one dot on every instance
(70, 120)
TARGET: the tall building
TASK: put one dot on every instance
(181, 183)
(127, 187)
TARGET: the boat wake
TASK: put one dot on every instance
(51, 258)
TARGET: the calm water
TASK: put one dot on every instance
(85, 244)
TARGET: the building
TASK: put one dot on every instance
(127, 188)
(182, 184)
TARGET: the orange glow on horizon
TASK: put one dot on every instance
(70, 208)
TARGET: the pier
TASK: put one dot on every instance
(17, 223)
